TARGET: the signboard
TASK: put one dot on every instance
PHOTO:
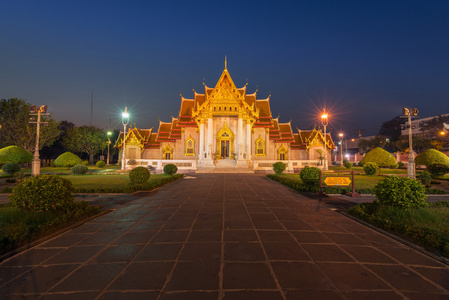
(337, 181)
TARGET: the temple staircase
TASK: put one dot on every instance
(225, 166)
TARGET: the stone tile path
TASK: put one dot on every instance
(222, 236)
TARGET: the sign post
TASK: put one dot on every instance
(338, 181)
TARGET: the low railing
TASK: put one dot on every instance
(267, 165)
(159, 164)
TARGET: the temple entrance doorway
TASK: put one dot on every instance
(225, 143)
(224, 148)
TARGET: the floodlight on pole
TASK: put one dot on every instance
(340, 135)
(34, 111)
(109, 133)
(125, 121)
(324, 122)
(411, 160)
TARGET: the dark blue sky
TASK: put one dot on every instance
(362, 60)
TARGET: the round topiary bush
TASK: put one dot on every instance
(79, 169)
(370, 168)
(43, 193)
(139, 175)
(279, 167)
(15, 154)
(310, 176)
(430, 157)
(348, 165)
(400, 165)
(437, 170)
(68, 160)
(10, 168)
(170, 169)
(401, 192)
(100, 164)
(382, 158)
(85, 162)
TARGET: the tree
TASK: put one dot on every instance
(86, 139)
(16, 129)
(392, 129)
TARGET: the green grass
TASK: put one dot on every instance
(360, 170)
(96, 183)
(363, 183)
(428, 227)
(19, 227)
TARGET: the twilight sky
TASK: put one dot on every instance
(361, 60)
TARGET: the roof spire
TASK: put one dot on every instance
(226, 63)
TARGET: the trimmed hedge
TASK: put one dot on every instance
(382, 158)
(43, 193)
(279, 167)
(100, 164)
(402, 192)
(170, 169)
(10, 168)
(80, 169)
(370, 168)
(67, 159)
(310, 176)
(15, 154)
(139, 175)
(430, 157)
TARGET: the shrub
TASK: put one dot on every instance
(100, 164)
(379, 156)
(348, 165)
(79, 169)
(139, 175)
(43, 193)
(170, 169)
(401, 192)
(132, 162)
(425, 178)
(10, 168)
(68, 160)
(310, 176)
(15, 154)
(400, 165)
(85, 162)
(279, 167)
(430, 157)
(370, 168)
(437, 170)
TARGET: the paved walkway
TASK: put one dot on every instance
(222, 236)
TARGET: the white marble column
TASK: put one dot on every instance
(248, 140)
(240, 138)
(201, 151)
(209, 143)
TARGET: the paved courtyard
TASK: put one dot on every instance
(222, 236)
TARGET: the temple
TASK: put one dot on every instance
(224, 129)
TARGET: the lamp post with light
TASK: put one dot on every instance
(324, 122)
(340, 135)
(34, 111)
(411, 160)
(109, 143)
(125, 121)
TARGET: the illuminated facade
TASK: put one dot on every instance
(224, 128)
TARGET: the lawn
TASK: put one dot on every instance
(428, 227)
(97, 183)
(360, 170)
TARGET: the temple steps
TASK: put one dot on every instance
(224, 170)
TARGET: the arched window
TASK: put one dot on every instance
(282, 153)
(190, 147)
(260, 147)
(167, 152)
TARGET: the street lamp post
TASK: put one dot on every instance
(125, 120)
(34, 111)
(324, 121)
(411, 160)
(109, 143)
(340, 135)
